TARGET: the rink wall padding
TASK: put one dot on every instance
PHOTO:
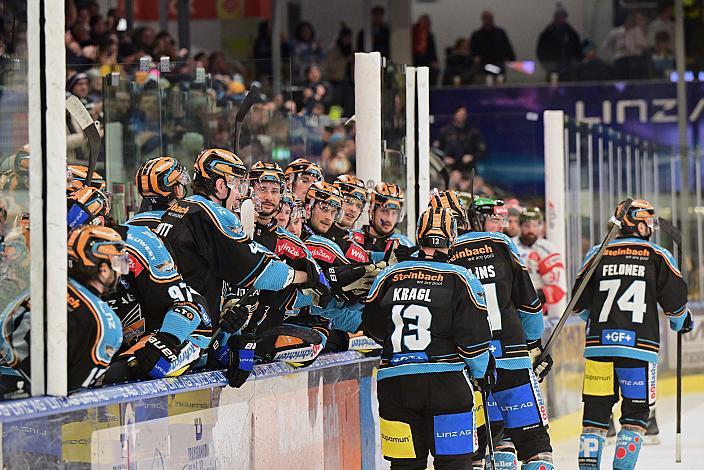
(320, 417)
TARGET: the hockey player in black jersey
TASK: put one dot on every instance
(96, 259)
(211, 248)
(160, 181)
(386, 210)
(432, 320)
(300, 176)
(354, 198)
(620, 305)
(517, 326)
(292, 214)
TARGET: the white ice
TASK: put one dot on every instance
(655, 457)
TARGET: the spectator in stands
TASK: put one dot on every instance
(263, 52)
(663, 59)
(463, 145)
(664, 22)
(380, 34)
(459, 67)
(591, 68)
(316, 91)
(490, 44)
(338, 70)
(305, 50)
(424, 52)
(558, 45)
(626, 45)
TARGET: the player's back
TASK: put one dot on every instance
(436, 315)
(622, 297)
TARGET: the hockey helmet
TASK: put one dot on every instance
(351, 186)
(484, 208)
(87, 205)
(90, 245)
(389, 196)
(76, 177)
(295, 204)
(326, 196)
(531, 213)
(449, 199)
(640, 211)
(267, 171)
(437, 228)
(304, 166)
(158, 177)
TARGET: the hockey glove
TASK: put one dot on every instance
(345, 275)
(540, 368)
(157, 355)
(688, 324)
(362, 285)
(404, 253)
(488, 382)
(318, 283)
(233, 316)
(241, 360)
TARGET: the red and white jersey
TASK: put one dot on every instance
(547, 271)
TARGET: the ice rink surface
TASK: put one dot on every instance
(656, 457)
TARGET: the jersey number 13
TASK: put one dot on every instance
(418, 318)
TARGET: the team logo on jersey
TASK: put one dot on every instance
(167, 265)
(618, 337)
(288, 248)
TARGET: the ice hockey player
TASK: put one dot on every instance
(432, 320)
(386, 211)
(620, 305)
(96, 260)
(300, 175)
(292, 214)
(515, 316)
(210, 247)
(165, 323)
(76, 179)
(544, 262)
(160, 181)
(354, 199)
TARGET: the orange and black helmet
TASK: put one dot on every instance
(324, 192)
(437, 228)
(85, 206)
(90, 245)
(304, 166)
(351, 186)
(449, 199)
(157, 178)
(387, 194)
(77, 178)
(259, 167)
(213, 163)
(640, 211)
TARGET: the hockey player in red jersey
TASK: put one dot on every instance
(544, 263)
(620, 305)
(432, 320)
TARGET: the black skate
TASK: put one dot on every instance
(652, 433)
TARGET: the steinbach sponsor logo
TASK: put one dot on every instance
(288, 248)
(467, 252)
(627, 252)
(419, 275)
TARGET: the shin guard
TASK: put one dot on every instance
(628, 444)
(590, 448)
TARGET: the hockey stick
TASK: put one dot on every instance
(676, 235)
(250, 100)
(487, 427)
(90, 130)
(593, 263)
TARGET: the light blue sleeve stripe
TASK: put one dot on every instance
(276, 276)
(532, 324)
(477, 365)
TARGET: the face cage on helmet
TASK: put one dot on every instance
(327, 207)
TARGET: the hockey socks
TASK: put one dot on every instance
(536, 465)
(628, 444)
(590, 447)
(504, 460)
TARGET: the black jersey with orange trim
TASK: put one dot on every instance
(621, 300)
(430, 316)
(515, 312)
